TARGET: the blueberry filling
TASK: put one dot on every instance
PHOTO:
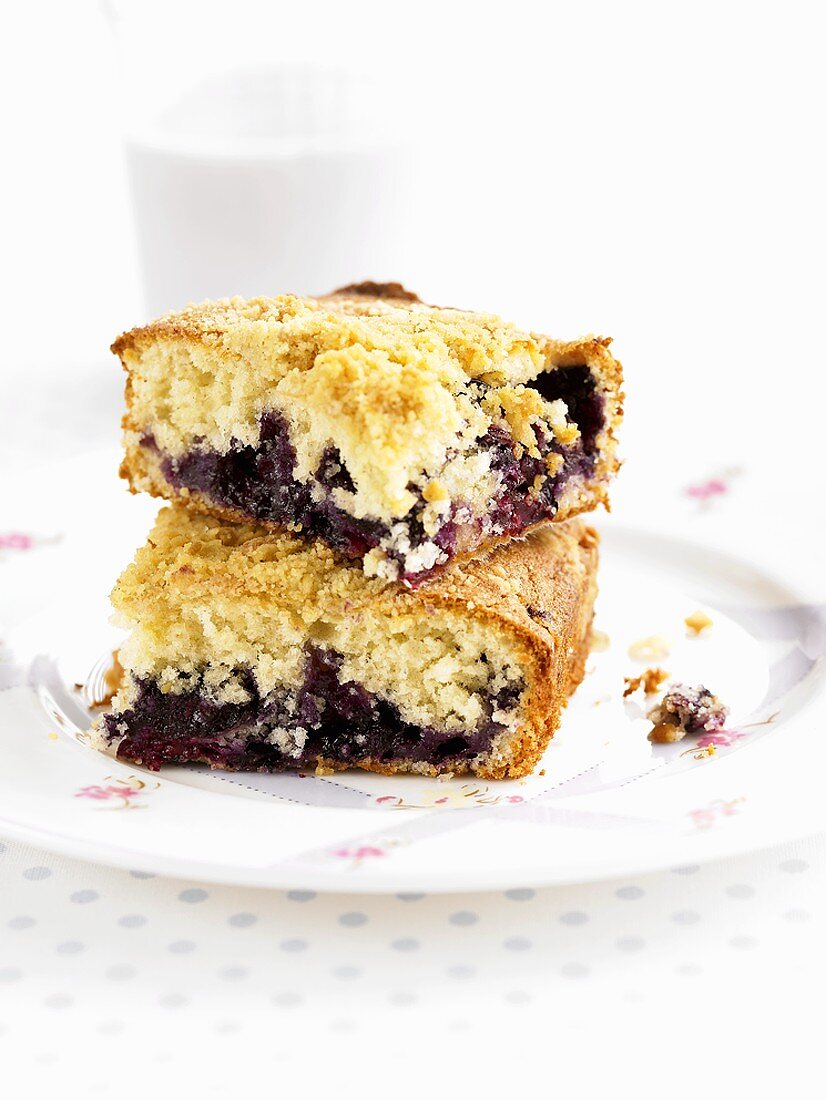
(325, 719)
(576, 386)
(258, 481)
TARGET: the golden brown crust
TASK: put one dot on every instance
(393, 291)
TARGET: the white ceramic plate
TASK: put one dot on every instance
(609, 803)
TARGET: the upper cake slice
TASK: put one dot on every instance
(257, 652)
(398, 433)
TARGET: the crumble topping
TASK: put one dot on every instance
(650, 681)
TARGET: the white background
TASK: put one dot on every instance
(649, 171)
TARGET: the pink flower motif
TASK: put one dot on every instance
(103, 793)
(515, 798)
(365, 851)
(706, 817)
(16, 540)
(94, 791)
(705, 490)
(120, 791)
(720, 739)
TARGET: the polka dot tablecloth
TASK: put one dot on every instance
(105, 962)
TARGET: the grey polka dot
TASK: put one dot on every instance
(9, 974)
(406, 943)
(83, 897)
(287, 1000)
(69, 947)
(689, 970)
(352, 920)
(19, 923)
(517, 943)
(518, 997)
(182, 947)
(574, 917)
(740, 890)
(463, 917)
(410, 897)
(630, 943)
(242, 920)
(630, 893)
(35, 874)
(193, 895)
(132, 920)
(110, 1027)
(402, 1000)
(2, 847)
(523, 893)
(59, 1000)
(686, 869)
(346, 973)
(797, 916)
(173, 1000)
(294, 945)
(743, 943)
(120, 973)
(142, 874)
(462, 972)
(233, 973)
(685, 916)
(793, 866)
(301, 895)
(574, 970)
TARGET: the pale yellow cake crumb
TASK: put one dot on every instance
(697, 623)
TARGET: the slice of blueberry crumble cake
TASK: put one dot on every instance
(398, 433)
(253, 650)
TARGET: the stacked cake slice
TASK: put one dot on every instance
(338, 581)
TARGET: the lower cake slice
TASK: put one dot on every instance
(253, 651)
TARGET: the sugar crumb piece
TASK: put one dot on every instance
(697, 622)
(435, 491)
(650, 681)
(542, 771)
(649, 649)
(599, 641)
(444, 777)
(666, 733)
